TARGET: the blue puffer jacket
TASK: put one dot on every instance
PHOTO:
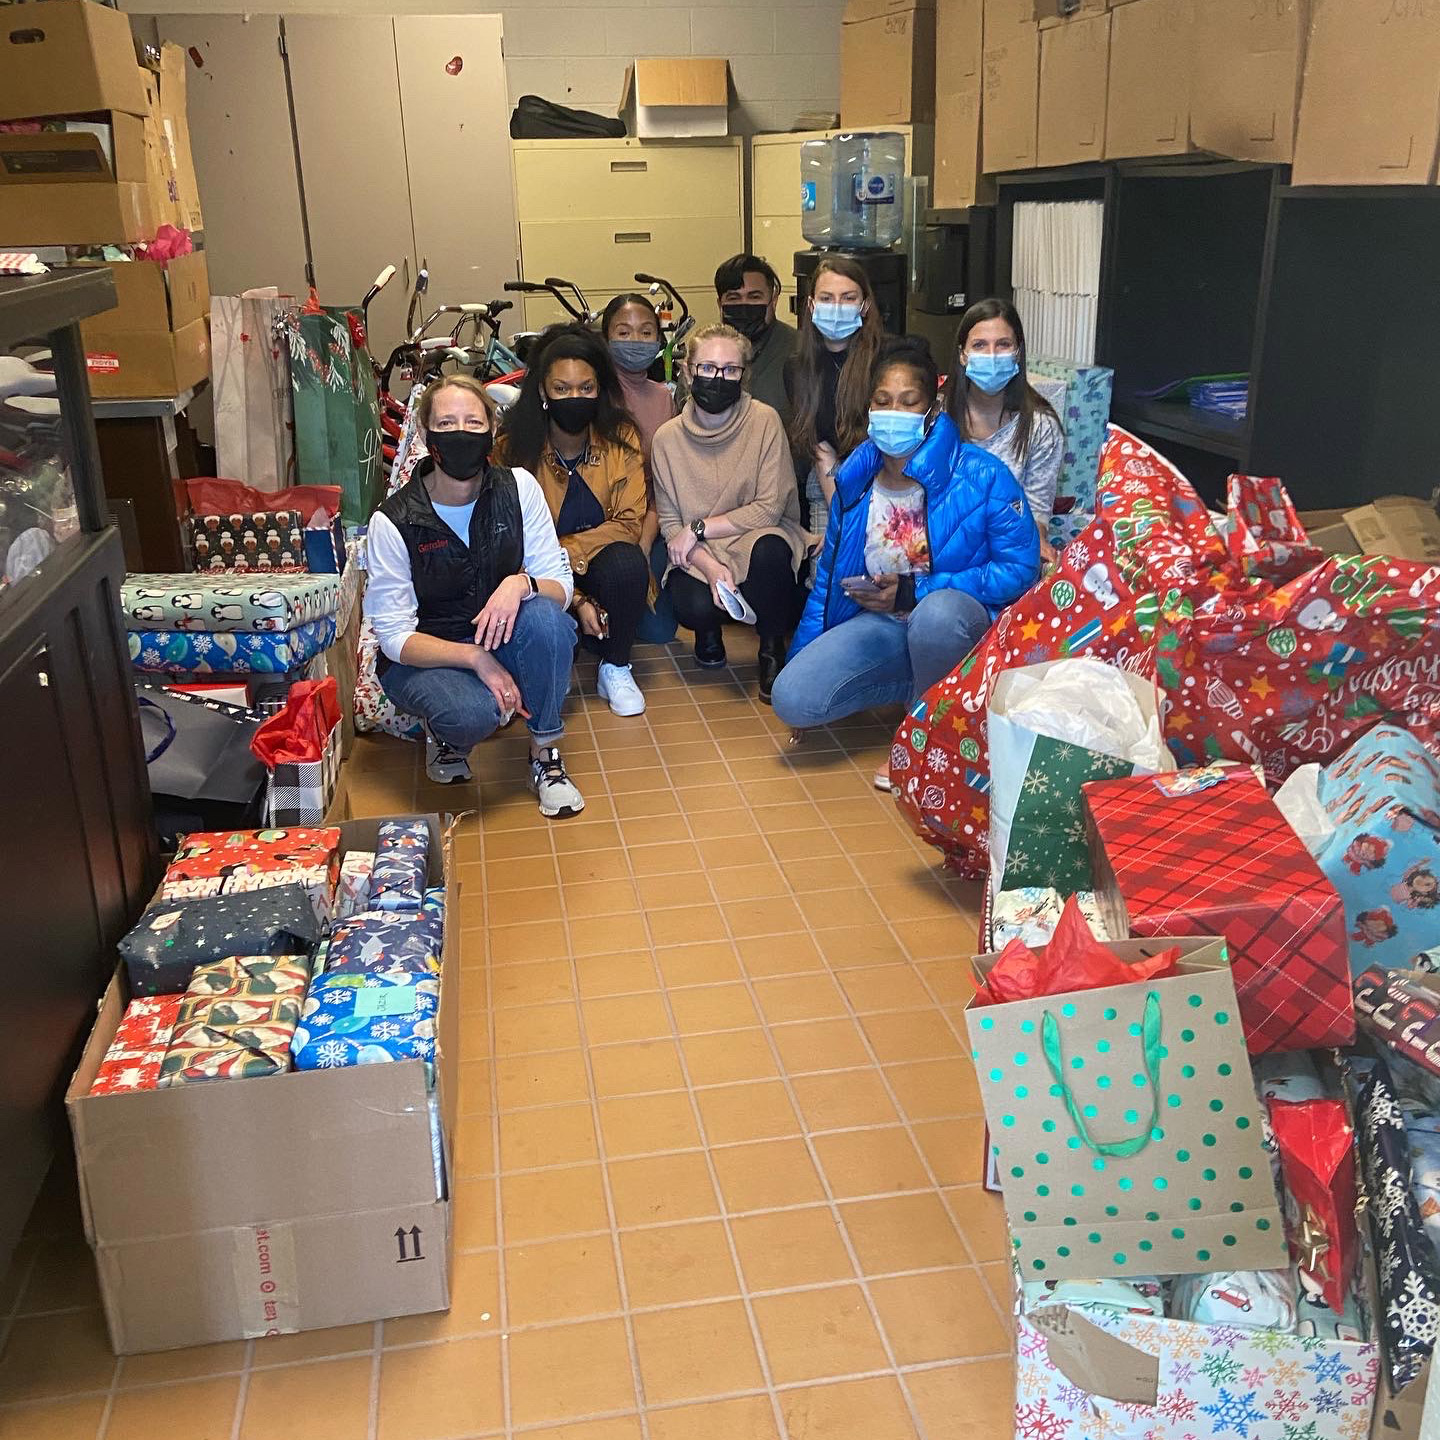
(982, 537)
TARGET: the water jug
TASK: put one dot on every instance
(852, 190)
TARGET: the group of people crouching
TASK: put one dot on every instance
(870, 535)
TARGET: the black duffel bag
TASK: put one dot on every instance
(537, 119)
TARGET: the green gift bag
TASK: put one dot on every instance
(1124, 1124)
(337, 418)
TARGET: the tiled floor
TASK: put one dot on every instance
(717, 1172)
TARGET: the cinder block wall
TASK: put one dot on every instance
(784, 56)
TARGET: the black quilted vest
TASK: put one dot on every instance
(452, 583)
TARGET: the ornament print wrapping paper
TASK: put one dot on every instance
(186, 652)
(1250, 669)
(367, 1020)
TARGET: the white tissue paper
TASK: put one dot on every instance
(1298, 800)
(1089, 703)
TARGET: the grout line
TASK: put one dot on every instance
(242, 1396)
(377, 1345)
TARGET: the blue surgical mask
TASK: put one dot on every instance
(836, 320)
(993, 372)
(635, 356)
(897, 432)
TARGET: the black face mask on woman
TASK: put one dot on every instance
(714, 394)
(461, 454)
(574, 412)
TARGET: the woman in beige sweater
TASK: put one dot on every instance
(728, 507)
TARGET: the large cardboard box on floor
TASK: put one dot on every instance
(1152, 59)
(156, 342)
(1246, 92)
(677, 99)
(234, 1209)
(1074, 79)
(86, 186)
(959, 179)
(1011, 91)
(1370, 105)
(67, 57)
(887, 63)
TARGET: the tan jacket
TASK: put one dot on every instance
(616, 476)
(741, 471)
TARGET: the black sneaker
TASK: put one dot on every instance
(710, 650)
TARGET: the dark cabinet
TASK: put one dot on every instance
(76, 852)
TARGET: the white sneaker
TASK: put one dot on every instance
(617, 685)
(444, 764)
(559, 799)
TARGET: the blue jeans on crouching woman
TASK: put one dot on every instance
(458, 705)
(872, 660)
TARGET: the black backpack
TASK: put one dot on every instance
(537, 119)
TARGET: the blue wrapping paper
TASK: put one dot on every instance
(367, 1020)
(376, 941)
(200, 652)
(402, 854)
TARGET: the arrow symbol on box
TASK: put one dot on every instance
(412, 1235)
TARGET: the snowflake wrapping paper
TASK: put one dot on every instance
(1207, 852)
(198, 652)
(367, 1020)
(1251, 667)
(1200, 1382)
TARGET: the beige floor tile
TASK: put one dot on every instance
(749, 882)
(819, 1334)
(474, 1214)
(787, 1248)
(558, 1135)
(954, 1149)
(326, 1401)
(195, 1410)
(760, 1110)
(624, 1427)
(657, 1189)
(981, 1218)
(570, 1371)
(560, 1280)
(965, 1402)
(57, 1420)
(545, 1079)
(545, 982)
(625, 1019)
(535, 1028)
(843, 1100)
(711, 826)
(517, 944)
(608, 935)
(474, 1304)
(527, 873)
(870, 1162)
(675, 1264)
(314, 1344)
(711, 963)
(667, 892)
(885, 987)
(709, 1008)
(647, 1124)
(664, 859)
(859, 946)
(475, 1088)
(193, 1363)
(48, 1356)
(854, 1410)
(777, 916)
(604, 975)
(766, 1175)
(749, 1418)
(439, 1390)
(726, 1058)
(935, 1089)
(910, 1035)
(596, 868)
(549, 1203)
(696, 1352)
(636, 1069)
(905, 1232)
(821, 1045)
(943, 1315)
(799, 997)
(688, 924)
(766, 956)
(520, 907)
(657, 830)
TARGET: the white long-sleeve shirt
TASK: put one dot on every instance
(390, 602)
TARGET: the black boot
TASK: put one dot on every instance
(710, 649)
(772, 658)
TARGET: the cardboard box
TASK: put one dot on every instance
(87, 186)
(1248, 61)
(959, 54)
(887, 63)
(1397, 525)
(1011, 96)
(67, 57)
(1074, 78)
(677, 99)
(241, 1208)
(1370, 107)
(1000, 15)
(1050, 13)
(1152, 59)
(175, 132)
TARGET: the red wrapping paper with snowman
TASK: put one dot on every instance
(1261, 655)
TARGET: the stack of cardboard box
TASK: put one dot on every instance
(97, 154)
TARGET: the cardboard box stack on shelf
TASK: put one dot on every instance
(97, 154)
(888, 68)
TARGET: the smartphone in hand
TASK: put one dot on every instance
(858, 585)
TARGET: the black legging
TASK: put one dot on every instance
(618, 580)
(769, 588)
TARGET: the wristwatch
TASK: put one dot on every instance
(697, 528)
(534, 585)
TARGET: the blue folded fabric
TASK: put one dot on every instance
(367, 1020)
(372, 942)
(402, 855)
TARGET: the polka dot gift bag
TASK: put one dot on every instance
(1123, 1119)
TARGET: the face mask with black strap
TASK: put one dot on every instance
(574, 413)
(460, 454)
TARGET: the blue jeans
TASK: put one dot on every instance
(658, 626)
(872, 660)
(458, 706)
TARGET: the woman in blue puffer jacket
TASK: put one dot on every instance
(929, 538)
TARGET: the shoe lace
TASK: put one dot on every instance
(551, 766)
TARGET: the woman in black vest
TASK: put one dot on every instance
(468, 594)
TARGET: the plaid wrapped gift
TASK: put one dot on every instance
(300, 794)
(138, 1050)
(1206, 852)
(237, 1020)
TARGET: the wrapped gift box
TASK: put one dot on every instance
(376, 941)
(1401, 1009)
(1084, 411)
(248, 860)
(1207, 852)
(397, 879)
(220, 604)
(138, 1050)
(367, 1019)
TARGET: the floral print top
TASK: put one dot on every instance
(896, 539)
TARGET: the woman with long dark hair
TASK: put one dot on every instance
(827, 379)
(569, 429)
(994, 405)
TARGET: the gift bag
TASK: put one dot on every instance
(1125, 1124)
(300, 747)
(250, 381)
(1053, 727)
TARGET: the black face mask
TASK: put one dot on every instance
(750, 319)
(461, 454)
(714, 393)
(574, 413)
